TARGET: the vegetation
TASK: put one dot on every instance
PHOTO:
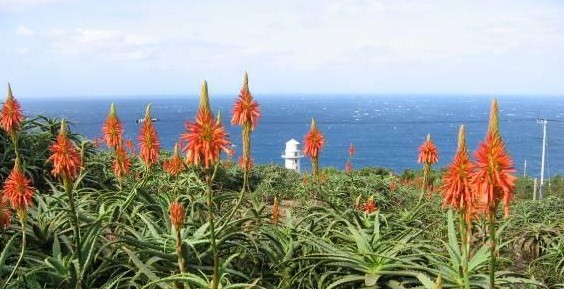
(118, 219)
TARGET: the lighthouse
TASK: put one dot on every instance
(292, 155)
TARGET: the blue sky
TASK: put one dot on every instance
(128, 47)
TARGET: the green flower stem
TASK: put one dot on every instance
(465, 251)
(215, 277)
(181, 261)
(22, 217)
(491, 219)
(74, 219)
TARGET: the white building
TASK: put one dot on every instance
(292, 155)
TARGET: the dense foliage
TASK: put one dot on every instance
(322, 240)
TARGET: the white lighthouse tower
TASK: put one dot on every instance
(292, 155)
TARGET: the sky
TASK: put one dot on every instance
(131, 47)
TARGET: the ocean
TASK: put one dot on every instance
(385, 129)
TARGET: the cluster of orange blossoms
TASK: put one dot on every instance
(177, 215)
(174, 165)
(275, 211)
(314, 141)
(205, 137)
(148, 139)
(428, 152)
(475, 188)
(348, 166)
(112, 134)
(246, 113)
(313, 144)
(11, 115)
(64, 156)
(17, 189)
(246, 110)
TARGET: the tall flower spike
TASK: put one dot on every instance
(493, 177)
(370, 205)
(204, 99)
(456, 188)
(177, 215)
(64, 155)
(246, 113)
(112, 130)
(174, 165)
(246, 110)
(148, 139)
(352, 150)
(18, 188)
(11, 115)
(5, 214)
(314, 142)
(428, 153)
(205, 137)
(122, 163)
(275, 211)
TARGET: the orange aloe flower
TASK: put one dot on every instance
(122, 163)
(64, 155)
(112, 130)
(205, 137)
(11, 115)
(246, 110)
(149, 145)
(493, 177)
(370, 206)
(348, 167)
(352, 150)
(428, 153)
(275, 211)
(174, 165)
(129, 145)
(456, 187)
(314, 142)
(18, 188)
(5, 214)
(177, 215)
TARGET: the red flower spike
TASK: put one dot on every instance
(112, 131)
(18, 188)
(348, 167)
(174, 165)
(122, 163)
(370, 206)
(275, 211)
(11, 115)
(493, 178)
(428, 153)
(352, 150)
(456, 188)
(314, 141)
(246, 110)
(177, 215)
(5, 214)
(64, 155)
(148, 139)
(205, 137)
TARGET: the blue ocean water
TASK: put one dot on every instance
(385, 129)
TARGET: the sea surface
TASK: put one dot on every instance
(385, 129)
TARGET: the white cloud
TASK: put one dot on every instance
(26, 4)
(25, 31)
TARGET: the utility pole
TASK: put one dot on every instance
(544, 122)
